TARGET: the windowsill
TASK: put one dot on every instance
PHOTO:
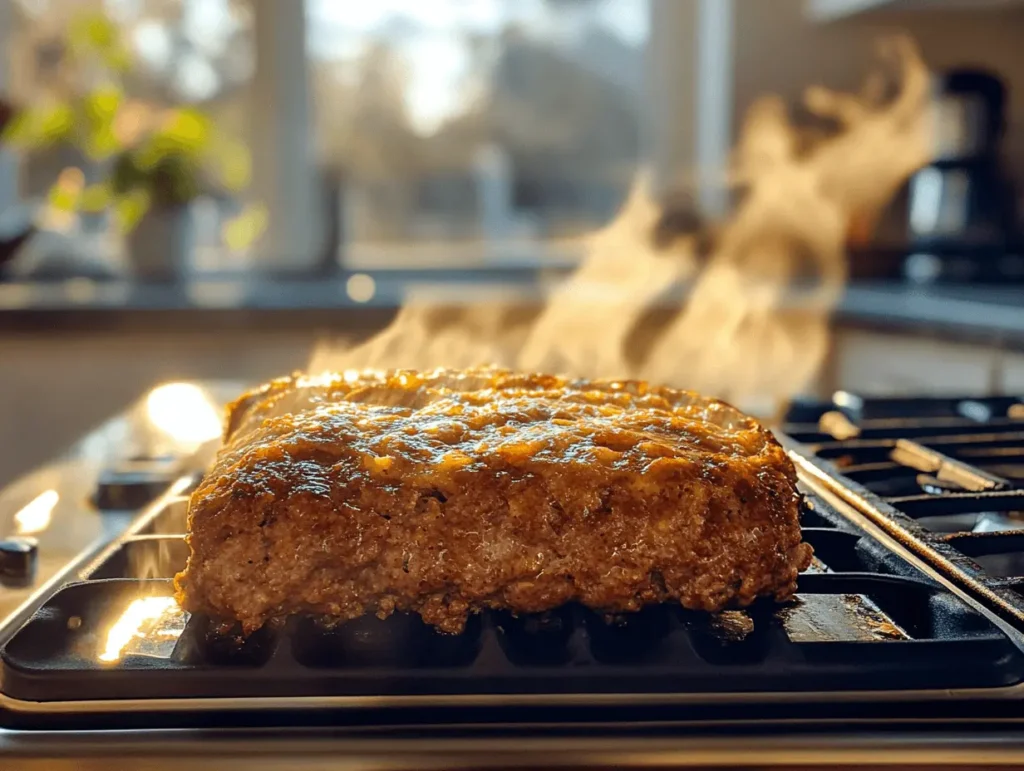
(971, 313)
(472, 255)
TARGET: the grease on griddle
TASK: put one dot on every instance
(731, 625)
(837, 618)
(815, 618)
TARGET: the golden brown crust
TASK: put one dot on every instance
(451, 491)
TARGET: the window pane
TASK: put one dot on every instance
(475, 131)
(151, 59)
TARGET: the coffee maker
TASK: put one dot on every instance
(962, 206)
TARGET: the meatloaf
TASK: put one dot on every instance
(452, 491)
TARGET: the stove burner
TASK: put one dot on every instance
(945, 475)
(864, 620)
(867, 625)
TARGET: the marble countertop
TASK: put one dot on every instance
(976, 313)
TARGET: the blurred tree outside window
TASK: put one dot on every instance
(462, 128)
(129, 106)
(451, 131)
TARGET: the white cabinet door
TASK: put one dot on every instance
(878, 363)
(1013, 373)
(834, 10)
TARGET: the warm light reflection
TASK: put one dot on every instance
(140, 617)
(184, 412)
(34, 517)
(361, 287)
(179, 487)
(328, 378)
(759, 285)
(321, 380)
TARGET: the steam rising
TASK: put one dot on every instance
(754, 329)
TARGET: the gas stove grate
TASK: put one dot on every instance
(943, 476)
(986, 435)
(865, 621)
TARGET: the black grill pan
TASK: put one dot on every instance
(864, 620)
(953, 493)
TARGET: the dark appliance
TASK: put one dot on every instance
(944, 476)
(962, 206)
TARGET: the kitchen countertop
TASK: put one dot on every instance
(993, 315)
(990, 314)
(574, 739)
(52, 504)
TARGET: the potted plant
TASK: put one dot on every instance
(153, 161)
(173, 157)
(156, 210)
(66, 93)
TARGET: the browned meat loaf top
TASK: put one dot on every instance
(450, 491)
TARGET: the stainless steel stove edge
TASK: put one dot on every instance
(942, 743)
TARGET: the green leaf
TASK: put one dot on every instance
(96, 198)
(243, 230)
(40, 126)
(64, 198)
(21, 132)
(185, 130)
(95, 35)
(102, 104)
(57, 122)
(147, 157)
(101, 143)
(125, 174)
(118, 59)
(94, 32)
(131, 208)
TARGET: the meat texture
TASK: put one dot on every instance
(448, 492)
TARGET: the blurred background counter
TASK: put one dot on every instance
(203, 188)
(75, 353)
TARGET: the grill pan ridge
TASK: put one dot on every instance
(943, 476)
(864, 621)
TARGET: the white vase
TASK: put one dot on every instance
(161, 244)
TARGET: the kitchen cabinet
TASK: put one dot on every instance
(885, 363)
(1013, 373)
(834, 10)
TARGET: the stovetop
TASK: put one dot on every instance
(943, 476)
(90, 494)
(907, 633)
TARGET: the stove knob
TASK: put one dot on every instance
(133, 484)
(18, 557)
(127, 492)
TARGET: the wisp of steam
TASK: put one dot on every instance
(753, 328)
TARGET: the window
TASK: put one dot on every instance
(468, 131)
(155, 56)
(435, 132)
